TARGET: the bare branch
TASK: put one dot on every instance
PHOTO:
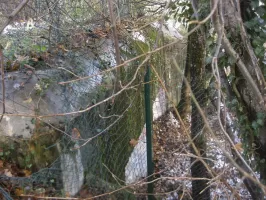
(241, 65)
(3, 82)
(13, 14)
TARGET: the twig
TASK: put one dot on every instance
(115, 36)
(95, 197)
(217, 140)
(91, 138)
(69, 71)
(147, 53)
(219, 28)
(3, 82)
(13, 14)
(220, 31)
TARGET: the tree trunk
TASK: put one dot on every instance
(231, 125)
(249, 86)
(184, 104)
(251, 90)
(196, 62)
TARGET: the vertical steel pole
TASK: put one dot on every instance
(148, 115)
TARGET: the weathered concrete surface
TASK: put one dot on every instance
(29, 94)
(40, 94)
(136, 168)
(72, 171)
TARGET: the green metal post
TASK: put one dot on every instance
(148, 114)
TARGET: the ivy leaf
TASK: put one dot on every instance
(234, 102)
(99, 130)
(255, 4)
(260, 115)
(258, 50)
(255, 125)
(260, 10)
(231, 60)
(249, 24)
(208, 60)
(260, 122)
(209, 41)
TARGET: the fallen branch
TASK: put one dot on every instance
(3, 82)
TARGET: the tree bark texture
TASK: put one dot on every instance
(196, 63)
(248, 71)
(184, 104)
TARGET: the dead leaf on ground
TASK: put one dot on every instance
(99, 32)
(26, 172)
(62, 47)
(84, 193)
(29, 67)
(29, 72)
(8, 173)
(133, 142)
(29, 100)
(239, 147)
(35, 59)
(75, 134)
(18, 192)
(20, 58)
(45, 56)
(67, 194)
(40, 192)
